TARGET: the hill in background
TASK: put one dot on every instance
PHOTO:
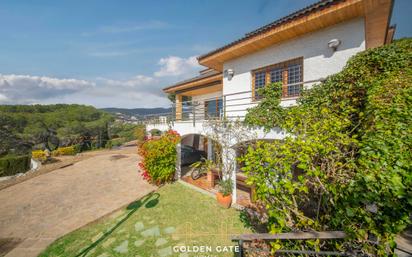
(138, 111)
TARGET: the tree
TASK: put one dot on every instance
(9, 142)
(50, 126)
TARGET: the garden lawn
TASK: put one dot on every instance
(174, 215)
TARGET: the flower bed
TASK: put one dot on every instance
(68, 150)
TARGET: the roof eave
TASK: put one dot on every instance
(259, 40)
(194, 83)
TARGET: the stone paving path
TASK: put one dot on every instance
(42, 209)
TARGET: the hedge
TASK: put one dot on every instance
(11, 164)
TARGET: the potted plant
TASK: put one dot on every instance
(204, 166)
(224, 195)
(225, 135)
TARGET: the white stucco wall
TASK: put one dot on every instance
(159, 126)
(319, 61)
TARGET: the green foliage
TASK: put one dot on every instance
(115, 142)
(125, 130)
(159, 163)
(204, 165)
(51, 126)
(226, 187)
(139, 133)
(172, 97)
(11, 143)
(268, 113)
(155, 132)
(13, 164)
(346, 164)
(68, 150)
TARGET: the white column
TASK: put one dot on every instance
(209, 149)
(234, 194)
(178, 161)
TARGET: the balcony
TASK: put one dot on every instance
(228, 106)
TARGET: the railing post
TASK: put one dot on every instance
(179, 107)
(173, 112)
(224, 107)
(194, 114)
(241, 254)
(178, 161)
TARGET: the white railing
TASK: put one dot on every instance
(228, 106)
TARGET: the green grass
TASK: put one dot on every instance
(189, 217)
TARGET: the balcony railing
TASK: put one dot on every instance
(228, 106)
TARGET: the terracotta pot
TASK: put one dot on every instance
(209, 176)
(224, 201)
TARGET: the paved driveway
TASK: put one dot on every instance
(42, 209)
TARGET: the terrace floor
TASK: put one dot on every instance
(243, 197)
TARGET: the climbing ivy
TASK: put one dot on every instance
(346, 162)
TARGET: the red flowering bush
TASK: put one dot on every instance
(159, 158)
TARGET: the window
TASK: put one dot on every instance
(290, 73)
(276, 75)
(260, 81)
(294, 77)
(213, 108)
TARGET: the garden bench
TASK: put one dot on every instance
(326, 235)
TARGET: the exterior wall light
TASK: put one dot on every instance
(229, 73)
(334, 43)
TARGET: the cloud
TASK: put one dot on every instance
(3, 98)
(136, 91)
(26, 88)
(177, 66)
(133, 82)
(129, 92)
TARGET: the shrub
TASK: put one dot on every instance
(68, 150)
(109, 144)
(140, 133)
(11, 164)
(77, 148)
(39, 155)
(159, 158)
(255, 216)
(117, 142)
(155, 132)
(347, 162)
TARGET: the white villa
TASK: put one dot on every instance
(298, 50)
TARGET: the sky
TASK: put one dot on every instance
(122, 53)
